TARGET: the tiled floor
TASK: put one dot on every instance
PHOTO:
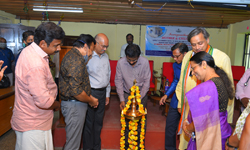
(8, 140)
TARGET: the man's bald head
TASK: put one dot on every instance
(102, 43)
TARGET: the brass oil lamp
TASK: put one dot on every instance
(133, 113)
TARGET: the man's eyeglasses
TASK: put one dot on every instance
(103, 46)
(176, 56)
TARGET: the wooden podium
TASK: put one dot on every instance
(7, 98)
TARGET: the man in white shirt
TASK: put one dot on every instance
(99, 71)
(130, 39)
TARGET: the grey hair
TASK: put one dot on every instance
(197, 31)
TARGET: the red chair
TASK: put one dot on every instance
(237, 72)
(153, 79)
(113, 64)
(167, 73)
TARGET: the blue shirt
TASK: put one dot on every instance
(99, 72)
(171, 89)
(8, 57)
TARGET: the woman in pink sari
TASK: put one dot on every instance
(207, 120)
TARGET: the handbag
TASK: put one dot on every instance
(5, 82)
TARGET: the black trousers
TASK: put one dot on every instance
(57, 83)
(144, 103)
(94, 121)
(172, 122)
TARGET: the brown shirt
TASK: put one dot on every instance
(73, 78)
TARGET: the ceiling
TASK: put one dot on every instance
(123, 12)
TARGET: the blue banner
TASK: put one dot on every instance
(160, 39)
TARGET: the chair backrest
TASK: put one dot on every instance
(151, 65)
(237, 72)
(168, 71)
(113, 64)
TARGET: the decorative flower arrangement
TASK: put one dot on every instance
(133, 133)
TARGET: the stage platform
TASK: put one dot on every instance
(110, 136)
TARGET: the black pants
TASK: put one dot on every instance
(144, 103)
(172, 122)
(57, 83)
(94, 121)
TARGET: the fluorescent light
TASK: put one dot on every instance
(235, 5)
(58, 9)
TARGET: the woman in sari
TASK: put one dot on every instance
(207, 120)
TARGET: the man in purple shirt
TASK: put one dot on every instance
(242, 89)
(129, 68)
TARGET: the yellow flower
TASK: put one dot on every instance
(134, 128)
(129, 102)
(136, 138)
(133, 134)
(138, 95)
(135, 143)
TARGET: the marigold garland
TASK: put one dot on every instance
(133, 134)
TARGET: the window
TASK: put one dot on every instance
(246, 55)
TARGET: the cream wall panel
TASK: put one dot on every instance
(240, 40)
(218, 38)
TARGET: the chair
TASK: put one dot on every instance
(237, 72)
(153, 79)
(113, 64)
(167, 73)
